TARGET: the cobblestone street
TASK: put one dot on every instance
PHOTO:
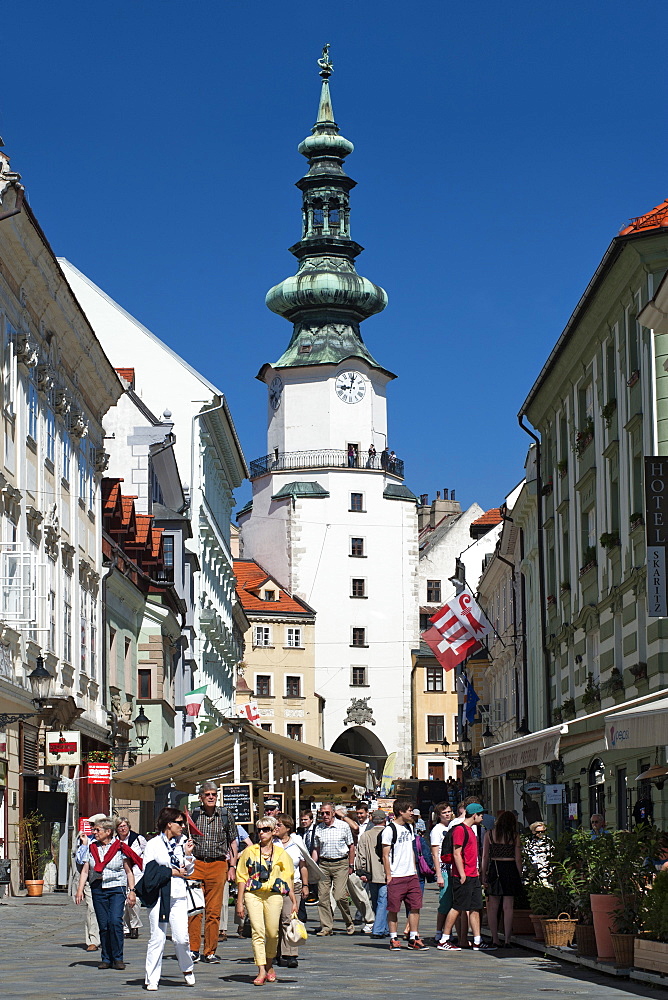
(42, 956)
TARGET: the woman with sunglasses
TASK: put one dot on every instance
(172, 851)
(265, 875)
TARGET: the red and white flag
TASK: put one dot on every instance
(249, 711)
(194, 700)
(457, 630)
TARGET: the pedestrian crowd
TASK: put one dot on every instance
(371, 866)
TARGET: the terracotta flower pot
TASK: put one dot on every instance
(537, 921)
(585, 939)
(35, 886)
(623, 946)
(602, 908)
(522, 923)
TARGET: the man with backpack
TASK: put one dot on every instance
(215, 840)
(467, 887)
(403, 885)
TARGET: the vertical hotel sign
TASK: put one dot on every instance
(656, 522)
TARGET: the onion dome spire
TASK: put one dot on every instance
(326, 300)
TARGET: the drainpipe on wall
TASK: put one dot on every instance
(541, 570)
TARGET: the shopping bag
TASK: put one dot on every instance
(296, 932)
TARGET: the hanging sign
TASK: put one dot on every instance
(572, 810)
(277, 797)
(656, 526)
(518, 775)
(533, 787)
(99, 774)
(554, 795)
(63, 747)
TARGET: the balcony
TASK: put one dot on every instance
(328, 459)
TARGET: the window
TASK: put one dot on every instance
(294, 731)
(84, 632)
(67, 618)
(293, 687)
(83, 472)
(262, 635)
(156, 490)
(358, 588)
(455, 729)
(93, 637)
(52, 621)
(66, 456)
(435, 728)
(433, 591)
(266, 726)
(294, 637)
(357, 546)
(33, 406)
(358, 676)
(357, 501)
(50, 423)
(434, 678)
(263, 686)
(9, 371)
(269, 595)
(359, 637)
(144, 683)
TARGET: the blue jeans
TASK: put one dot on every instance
(109, 905)
(378, 893)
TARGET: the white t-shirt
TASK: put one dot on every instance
(402, 857)
(436, 836)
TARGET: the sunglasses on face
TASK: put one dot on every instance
(264, 829)
(181, 822)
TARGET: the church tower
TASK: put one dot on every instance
(331, 518)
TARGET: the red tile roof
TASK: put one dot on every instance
(250, 578)
(489, 519)
(128, 375)
(656, 218)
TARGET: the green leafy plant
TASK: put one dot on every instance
(655, 909)
(32, 860)
(568, 708)
(565, 585)
(608, 410)
(615, 681)
(562, 466)
(636, 520)
(588, 558)
(584, 437)
(609, 539)
(592, 691)
(100, 757)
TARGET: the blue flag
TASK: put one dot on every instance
(471, 700)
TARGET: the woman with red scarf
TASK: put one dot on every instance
(108, 869)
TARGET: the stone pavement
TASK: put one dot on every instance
(41, 956)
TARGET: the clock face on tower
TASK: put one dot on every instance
(275, 391)
(350, 387)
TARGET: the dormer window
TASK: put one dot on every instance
(334, 218)
(269, 595)
(318, 217)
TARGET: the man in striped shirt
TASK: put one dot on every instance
(334, 852)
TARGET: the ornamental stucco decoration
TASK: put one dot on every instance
(359, 713)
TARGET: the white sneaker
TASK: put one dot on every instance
(367, 929)
(189, 978)
(151, 988)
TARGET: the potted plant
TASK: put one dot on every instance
(651, 949)
(639, 671)
(32, 860)
(541, 900)
(608, 410)
(609, 539)
(588, 559)
(584, 437)
(615, 681)
(592, 692)
(636, 520)
(562, 467)
(568, 708)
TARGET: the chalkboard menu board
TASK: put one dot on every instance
(239, 799)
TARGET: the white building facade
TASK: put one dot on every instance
(210, 459)
(330, 517)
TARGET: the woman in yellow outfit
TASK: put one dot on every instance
(265, 875)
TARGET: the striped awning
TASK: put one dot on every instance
(212, 756)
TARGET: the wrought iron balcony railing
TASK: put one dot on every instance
(333, 458)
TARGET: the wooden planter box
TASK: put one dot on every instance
(651, 955)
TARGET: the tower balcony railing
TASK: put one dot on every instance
(332, 458)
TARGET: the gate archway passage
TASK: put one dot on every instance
(364, 745)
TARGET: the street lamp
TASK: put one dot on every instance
(40, 682)
(141, 724)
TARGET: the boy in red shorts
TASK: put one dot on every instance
(403, 885)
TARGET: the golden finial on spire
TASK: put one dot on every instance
(324, 62)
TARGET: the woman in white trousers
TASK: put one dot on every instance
(170, 849)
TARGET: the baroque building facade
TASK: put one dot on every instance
(598, 407)
(209, 456)
(331, 518)
(57, 384)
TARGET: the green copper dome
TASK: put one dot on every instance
(327, 299)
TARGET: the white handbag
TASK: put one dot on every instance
(195, 897)
(296, 931)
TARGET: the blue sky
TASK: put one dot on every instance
(499, 148)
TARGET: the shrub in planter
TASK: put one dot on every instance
(651, 950)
